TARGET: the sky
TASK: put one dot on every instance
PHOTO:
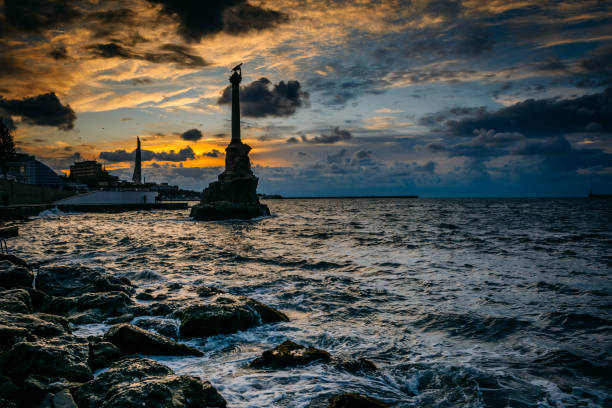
(438, 98)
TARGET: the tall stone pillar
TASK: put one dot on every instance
(137, 177)
(235, 79)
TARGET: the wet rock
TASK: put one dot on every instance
(133, 339)
(144, 296)
(15, 301)
(12, 276)
(102, 354)
(225, 210)
(126, 318)
(225, 314)
(174, 286)
(63, 399)
(352, 400)
(357, 365)
(15, 260)
(162, 309)
(165, 327)
(289, 354)
(78, 280)
(38, 298)
(134, 382)
(16, 327)
(207, 291)
(66, 357)
(92, 307)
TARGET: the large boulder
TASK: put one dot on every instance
(227, 210)
(352, 400)
(225, 314)
(133, 339)
(136, 382)
(289, 354)
(102, 354)
(65, 356)
(92, 307)
(78, 280)
(15, 327)
(165, 327)
(12, 276)
(16, 301)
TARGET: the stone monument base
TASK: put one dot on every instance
(234, 195)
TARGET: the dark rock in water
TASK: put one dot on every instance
(102, 354)
(352, 400)
(144, 296)
(207, 291)
(162, 309)
(133, 339)
(165, 327)
(226, 210)
(38, 298)
(125, 318)
(65, 356)
(15, 260)
(234, 195)
(357, 365)
(289, 354)
(16, 301)
(62, 399)
(78, 280)
(135, 382)
(12, 276)
(225, 314)
(175, 286)
(92, 307)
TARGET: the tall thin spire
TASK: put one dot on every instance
(137, 177)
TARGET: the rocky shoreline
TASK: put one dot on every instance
(44, 364)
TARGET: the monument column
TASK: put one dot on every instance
(235, 80)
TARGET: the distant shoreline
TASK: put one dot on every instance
(335, 197)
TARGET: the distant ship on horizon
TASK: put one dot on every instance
(594, 195)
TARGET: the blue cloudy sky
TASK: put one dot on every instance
(430, 97)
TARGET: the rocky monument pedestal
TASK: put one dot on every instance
(234, 195)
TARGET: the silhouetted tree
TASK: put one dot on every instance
(7, 146)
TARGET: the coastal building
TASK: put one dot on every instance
(89, 169)
(24, 168)
(137, 177)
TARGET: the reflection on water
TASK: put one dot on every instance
(485, 302)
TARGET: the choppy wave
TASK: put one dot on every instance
(462, 303)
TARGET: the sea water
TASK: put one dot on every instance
(459, 302)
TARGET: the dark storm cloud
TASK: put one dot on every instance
(34, 16)
(60, 52)
(121, 155)
(336, 135)
(542, 117)
(435, 147)
(41, 110)
(213, 153)
(167, 53)
(198, 19)
(292, 139)
(551, 145)
(261, 98)
(192, 135)
(474, 40)
(177, 54)
(599, 61)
